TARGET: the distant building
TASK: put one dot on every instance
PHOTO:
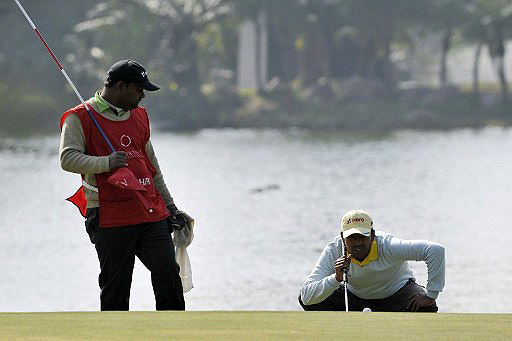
(252, 69)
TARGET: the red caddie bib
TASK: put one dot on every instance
(122, 207)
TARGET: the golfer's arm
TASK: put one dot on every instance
(158, 179)
(72, 150)
(431, 253)
(321, 283)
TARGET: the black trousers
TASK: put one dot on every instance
(395, 303)
(117, 248)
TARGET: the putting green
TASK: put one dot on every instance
(253, 325)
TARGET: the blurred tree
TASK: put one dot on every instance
(489, 22)
(112, 31)
(474, 32)
(282, 20)
(29, 75)
(217, 52)
(163, 34)
(187, 43)
(446, 17)
(181, 22)
(319, 24)
(285, 22)
(497, 18)
(377, 24)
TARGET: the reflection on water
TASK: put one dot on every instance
(266, 203)
(41, 147)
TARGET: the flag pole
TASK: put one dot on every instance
(61, 68)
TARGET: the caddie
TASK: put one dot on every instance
(122, 224)
(377, 271)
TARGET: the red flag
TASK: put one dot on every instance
(124, 178)
(79, 200)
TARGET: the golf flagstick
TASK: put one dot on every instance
(122, 177)
(59, 65)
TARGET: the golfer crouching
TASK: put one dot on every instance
(377, 271)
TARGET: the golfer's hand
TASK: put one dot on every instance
(419, 301)
(341, 264)
(117, 160)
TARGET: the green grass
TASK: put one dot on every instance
(253, 325)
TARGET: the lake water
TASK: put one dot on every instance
(265, 204)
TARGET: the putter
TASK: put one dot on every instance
(345, 286)
(345, 281)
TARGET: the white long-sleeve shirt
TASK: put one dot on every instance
(383, 276)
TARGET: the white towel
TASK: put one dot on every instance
(185, 268)
(182, 239)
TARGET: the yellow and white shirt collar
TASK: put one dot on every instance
(372, 255)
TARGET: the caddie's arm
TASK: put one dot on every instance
(72, 150)
(158, 179)
(423, 250)
(180, 217)
(321, 283)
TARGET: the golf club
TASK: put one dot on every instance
(345, 280)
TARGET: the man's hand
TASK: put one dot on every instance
(176, 222)
(341, 264)
(418, 301)
(181, 225)
(117, 160)
(178, 219)
(185, 216)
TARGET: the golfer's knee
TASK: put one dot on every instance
(307, 307)
(302, 304)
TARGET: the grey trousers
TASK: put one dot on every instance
(396, 302)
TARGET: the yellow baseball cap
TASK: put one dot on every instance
(356, 221)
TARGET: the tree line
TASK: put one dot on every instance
(190, 46)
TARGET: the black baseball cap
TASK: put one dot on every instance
(130, 71)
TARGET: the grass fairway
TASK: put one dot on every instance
(253, 325)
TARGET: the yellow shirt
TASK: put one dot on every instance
(372, 255)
